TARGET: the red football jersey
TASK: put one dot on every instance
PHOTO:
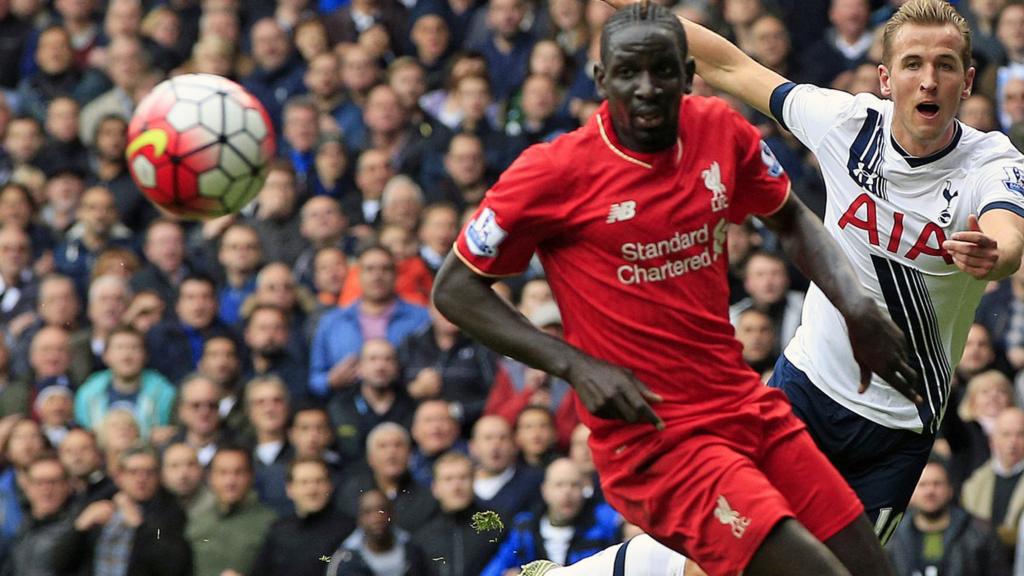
(634, 246)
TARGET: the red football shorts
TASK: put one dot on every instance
(713, 487)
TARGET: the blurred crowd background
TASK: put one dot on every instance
(271, 393)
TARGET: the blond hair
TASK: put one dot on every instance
(926, 12)
(989, 377)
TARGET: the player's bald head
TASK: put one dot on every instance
(643, 13)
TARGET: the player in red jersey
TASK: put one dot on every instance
(629, 216)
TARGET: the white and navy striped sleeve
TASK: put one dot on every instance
(809, 112)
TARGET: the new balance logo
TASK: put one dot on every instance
(729, 517)
(621, 211)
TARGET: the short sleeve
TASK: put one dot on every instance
(1001, 186)
(761, 184)
(517, 213)
(808, 111)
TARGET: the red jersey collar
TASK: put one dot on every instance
(608, 136)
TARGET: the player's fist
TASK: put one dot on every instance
(972, 250)
(880, 347)
(609, 391)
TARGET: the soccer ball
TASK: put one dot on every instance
(198, 146)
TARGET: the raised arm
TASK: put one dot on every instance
(878, 345)
(725, 67)
(608, 391)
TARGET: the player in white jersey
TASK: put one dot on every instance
(927, 210)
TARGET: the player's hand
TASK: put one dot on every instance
(973, 252)
(609, 391)
(880, 347)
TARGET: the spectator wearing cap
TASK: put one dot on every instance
(127, 383)
(517, 385)
(97, 228)
(54, 407)
(278, 73)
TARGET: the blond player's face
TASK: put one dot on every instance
(926, 79)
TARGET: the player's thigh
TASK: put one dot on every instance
(699, 496)
(818, 495)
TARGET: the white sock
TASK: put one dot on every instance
(645, 556)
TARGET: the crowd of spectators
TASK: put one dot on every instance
(270, 392)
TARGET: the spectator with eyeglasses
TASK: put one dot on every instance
(199, 416)
(138, 531)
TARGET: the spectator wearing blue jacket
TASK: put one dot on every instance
(380, 313)
(126, 384)
(279, 71)
(566, 532)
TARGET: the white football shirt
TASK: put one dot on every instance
(890, 213)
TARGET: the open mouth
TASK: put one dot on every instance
(928, 109)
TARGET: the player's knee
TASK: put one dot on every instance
(789, 549)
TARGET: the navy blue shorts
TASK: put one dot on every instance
(881, 464)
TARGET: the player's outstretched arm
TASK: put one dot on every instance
(608, 391)
(879, 346)
(725, 67)
(991, 247)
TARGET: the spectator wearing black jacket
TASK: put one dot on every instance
(178, 343)
(967, 547)
(450, 534)
(377, 542)
(388, 448)
(498, 483)
(296, 543)
(81, 457)
(48, 490)
(141, 511)
(441, 361)
(377, 398)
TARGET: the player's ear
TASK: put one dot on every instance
(968, 83)
(883, 81)
(599, 80)
(689, 69)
